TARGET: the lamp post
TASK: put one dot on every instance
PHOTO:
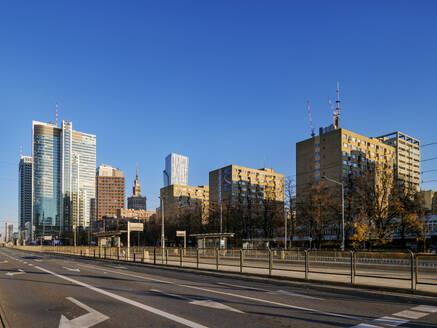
(342, 208)
(162, 225)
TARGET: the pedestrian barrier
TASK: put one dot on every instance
(415, 268)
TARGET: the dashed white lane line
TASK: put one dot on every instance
(161, 313)
(402, 317)
(146, 277)
(273, 292)
(425, 308)
(390, 321)
(410, 314)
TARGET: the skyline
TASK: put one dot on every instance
(158, 91)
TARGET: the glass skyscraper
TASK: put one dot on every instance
(24, 192)
(176, 170)
(63, 178)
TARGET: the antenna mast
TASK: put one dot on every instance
(56, 114)
(311, 118)
(21, 150)
(337, 110)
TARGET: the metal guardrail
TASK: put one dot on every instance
(418, 268)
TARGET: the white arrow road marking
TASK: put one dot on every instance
(14, 273)
(90, 319)
(38, 260)
(69, 269)
(5, 261)
(146, 277)
(30, 264)
(142, 306)
(277, 292)
(206, 303)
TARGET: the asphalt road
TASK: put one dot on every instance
(38, 290)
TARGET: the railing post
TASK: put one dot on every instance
(416, 269)
(144, 255)
(413, 285)
(241, 260)
(134, 257)
(118, 253)
(306, 265)
(104, 253)
(217, 259)
(94, 250)
(154, 255)
(166, 256)
(197, 257)
(270, 262)
(352, 267)
(180, 256)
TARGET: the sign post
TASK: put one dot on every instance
(132, 226)
(182, 233)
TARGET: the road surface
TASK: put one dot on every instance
(39, 290)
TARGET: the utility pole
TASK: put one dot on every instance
(342, 208)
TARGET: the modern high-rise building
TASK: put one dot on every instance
(407, 168)
(238, 185)
(24, 192)
(136, 201)
(9, 230)
(63, 174)
(176, 170)
(110, 192)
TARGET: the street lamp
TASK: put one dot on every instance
(342, 208)
(162, 225)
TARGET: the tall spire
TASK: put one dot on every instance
(137, 188)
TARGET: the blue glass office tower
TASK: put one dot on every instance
(63, 178)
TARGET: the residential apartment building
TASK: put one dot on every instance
(136, 201)
(110, 192)
(24, 192)
(429, 198)
(338, 154)
(407, 168)
(238, 185)
(176, 170)
(180, 198)
(63, 178)
(144, 215)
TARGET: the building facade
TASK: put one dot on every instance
(63, 178)
(144, 215)
(110, 192)
(24, 192)
(180, 198)
(136, 201)
(9, 230)
(176, 170)
(407, 168)
(338, 154)
(238, 185)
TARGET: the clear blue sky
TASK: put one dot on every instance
(219, 81)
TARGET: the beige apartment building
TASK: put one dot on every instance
(179, 198)
(407, 168)
(236, 184)
(127, 213)
(340, 153)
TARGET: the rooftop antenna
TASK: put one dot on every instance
(21, 150)
(337, 110)
(137, 171)
(311, 118)
(57, 114)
